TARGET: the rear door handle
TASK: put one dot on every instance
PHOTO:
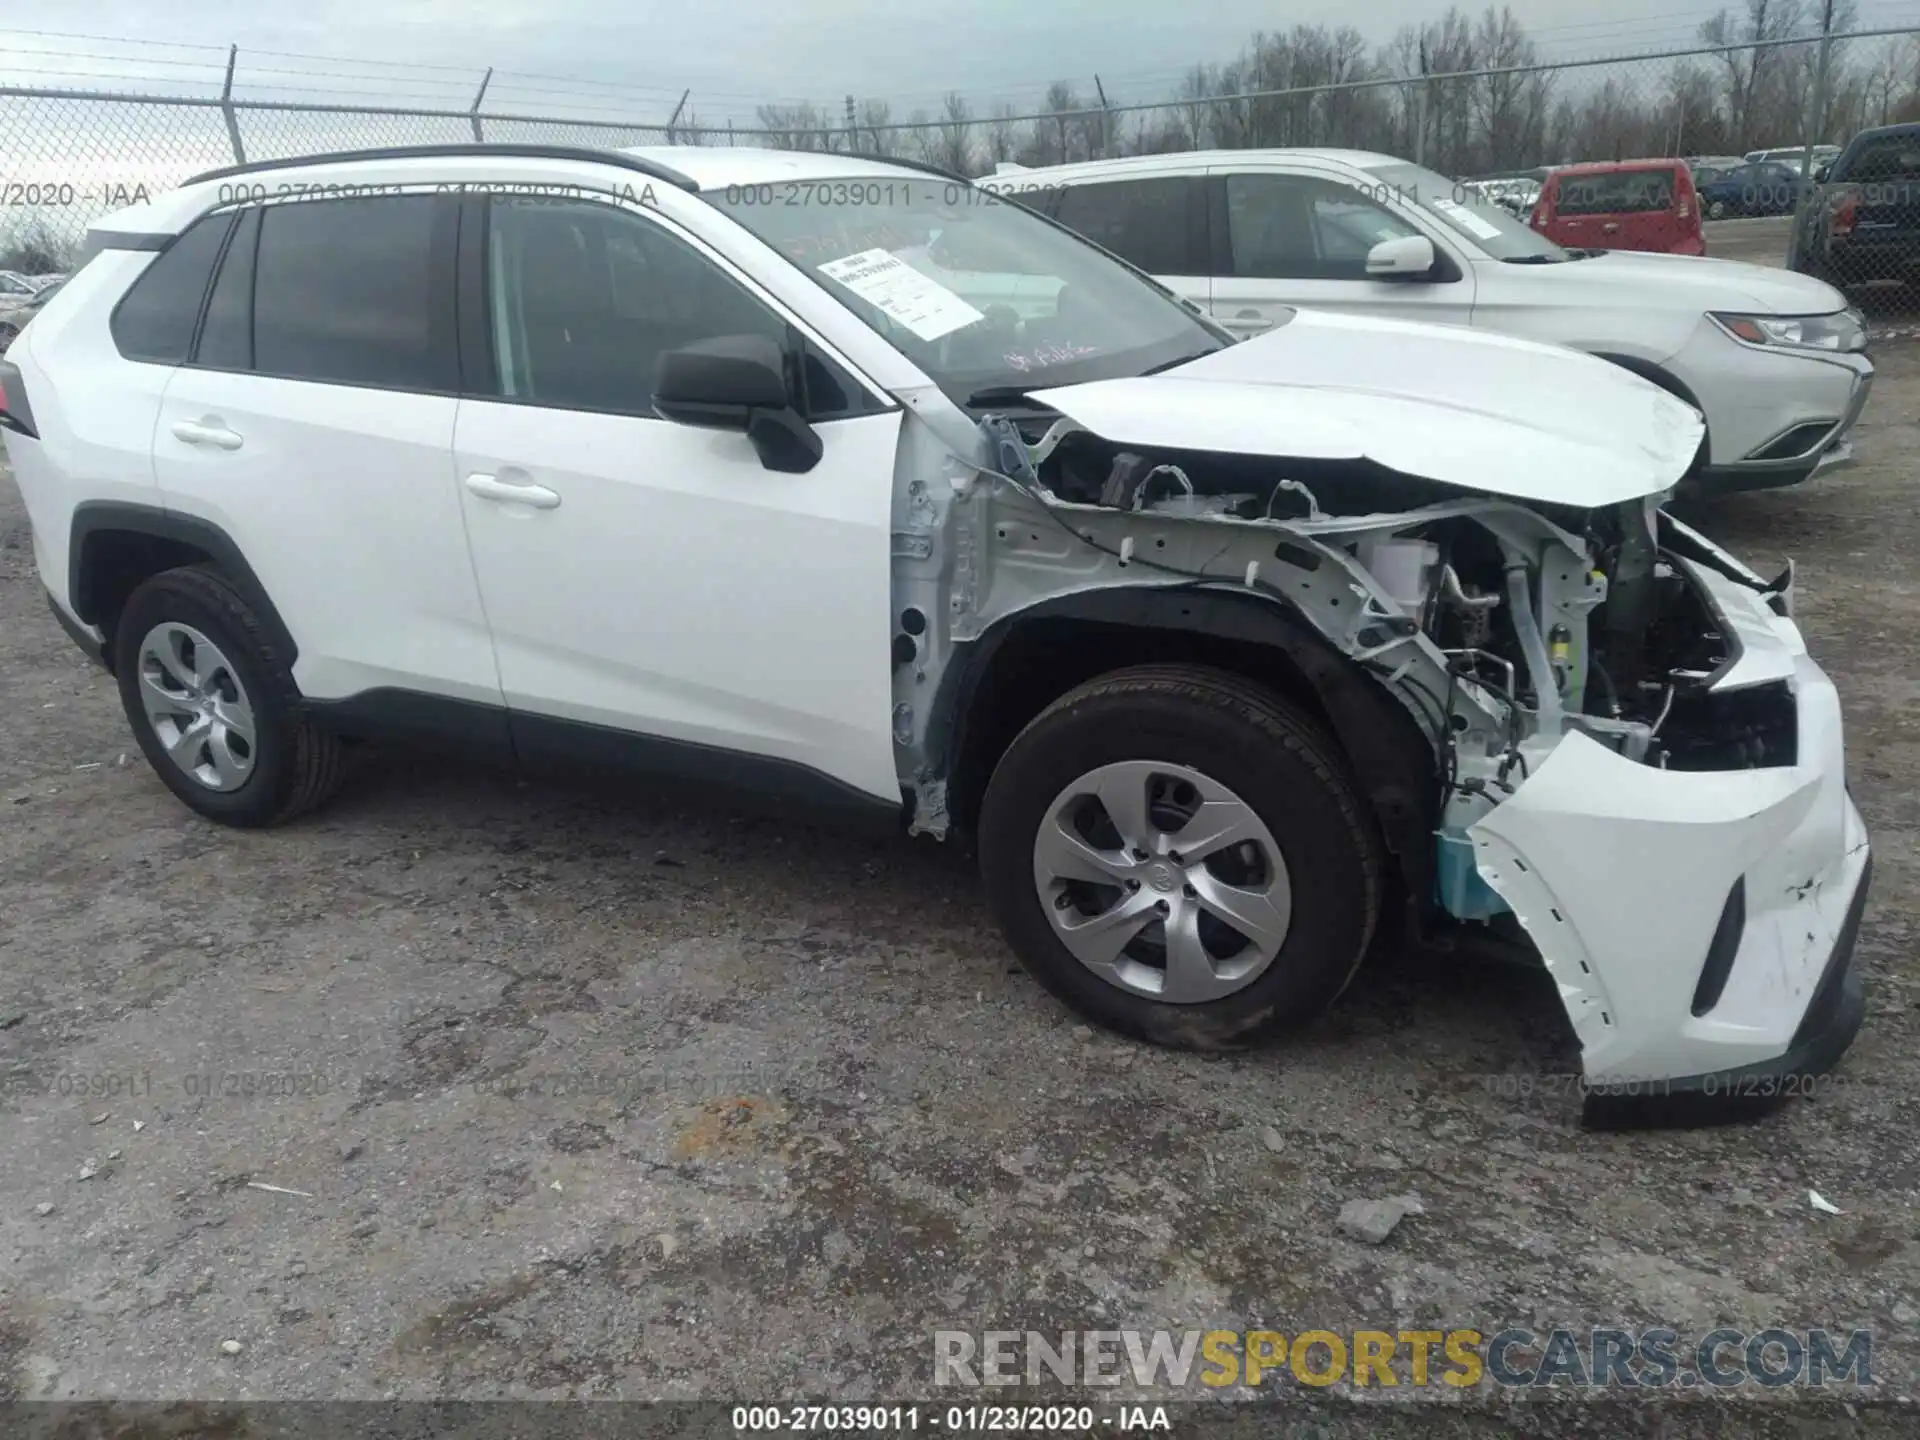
(208, 432)
(488, 487)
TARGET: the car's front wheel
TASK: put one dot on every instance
(1181, 856)
(1716, 210)
(213, 704)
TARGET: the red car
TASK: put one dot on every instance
(1622, 205)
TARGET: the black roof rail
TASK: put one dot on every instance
(665, 174)
(926, 167)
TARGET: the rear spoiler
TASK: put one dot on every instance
(98, 240)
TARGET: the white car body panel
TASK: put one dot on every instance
(369, 606)
(1590, 828)
(662, 594)
(1465, 410)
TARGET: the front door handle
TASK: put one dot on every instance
(207, 432)
(488, 487)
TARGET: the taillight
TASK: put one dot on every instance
(1844, 214)
(15, 414)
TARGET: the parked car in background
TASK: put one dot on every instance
(17, 296)
(1775, 361)
(1621, 205)
(1864, 227)
(1761, 188)
(1707, 168)
(1514, 194)
(1793, 156)
(1222, 655)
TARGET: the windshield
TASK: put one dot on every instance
(979, 292)
(1493, 229)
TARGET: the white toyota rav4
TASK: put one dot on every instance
(849, 482)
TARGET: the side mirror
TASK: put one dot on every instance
(738, 382)
(1409, 257)
(1820, 175)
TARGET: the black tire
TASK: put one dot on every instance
(296, 765)
(1247, 738)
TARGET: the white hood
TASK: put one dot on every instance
(1485, 412)
(1694, 283)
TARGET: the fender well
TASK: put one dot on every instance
(115, 546)
(1025, 661)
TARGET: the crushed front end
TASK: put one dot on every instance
(1637, 763)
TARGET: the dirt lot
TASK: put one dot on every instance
(598, 1094)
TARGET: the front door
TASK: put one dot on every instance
(1296, 239)
(653, 590)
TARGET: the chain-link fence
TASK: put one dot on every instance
(1759, 121)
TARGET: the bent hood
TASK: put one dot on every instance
(1488, 413)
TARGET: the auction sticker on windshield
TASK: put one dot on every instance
(1467, 220)
(902, 293)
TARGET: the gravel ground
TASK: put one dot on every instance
(604, 1093)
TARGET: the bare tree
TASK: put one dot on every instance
(953, 143)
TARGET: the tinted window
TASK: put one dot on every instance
(1147, 222)
(1615, 192)
(351, 291)
(1295, 227)
(585, 299)
(155, 320)
(1895, 158)
(226, 335)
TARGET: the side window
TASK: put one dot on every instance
(226, 335)
(353, 292)
(584, 299)
(1147, 222)
(154, 320)
(1297, 227)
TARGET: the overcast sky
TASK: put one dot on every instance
(734, 53)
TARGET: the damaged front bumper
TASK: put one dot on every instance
(1698, 924)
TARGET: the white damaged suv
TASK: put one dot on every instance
(847, 482)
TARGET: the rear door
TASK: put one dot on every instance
(1285, 238)
(658, 597)
(1157, 222)
(314, 424)
(1646, 216)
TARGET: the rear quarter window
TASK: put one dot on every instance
(154, 321)
(357, 291)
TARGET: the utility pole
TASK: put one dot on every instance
(479, 96)
(1420, 108)
(226, 108)
(853, 135)
(1106, 118)
(1817, 119)
(674, 118)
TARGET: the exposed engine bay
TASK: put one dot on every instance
(1501, 627)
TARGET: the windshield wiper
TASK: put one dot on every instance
(999, 395)
(1180, 360)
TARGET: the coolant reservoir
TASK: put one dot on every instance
(1402, 567)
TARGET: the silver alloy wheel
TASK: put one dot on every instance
(197, 706)
(1162, 881)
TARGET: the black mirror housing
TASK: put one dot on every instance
(738, 382)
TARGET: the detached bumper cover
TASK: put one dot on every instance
(1622, 873)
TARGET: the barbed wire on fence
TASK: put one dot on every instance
(67, 154)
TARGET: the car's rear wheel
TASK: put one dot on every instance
(1181, 856)
(214, 705)
(1716, 210)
